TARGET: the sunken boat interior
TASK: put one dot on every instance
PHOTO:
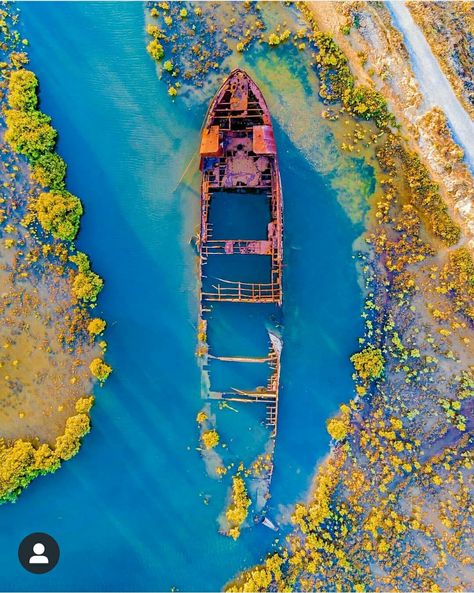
(241, 235)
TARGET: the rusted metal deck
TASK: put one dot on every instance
(238, 154)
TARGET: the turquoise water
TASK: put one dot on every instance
(128, 511)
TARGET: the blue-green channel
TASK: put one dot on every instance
(129, 510)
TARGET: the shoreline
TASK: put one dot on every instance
(434, 85)
(388, 69)
(48, 333)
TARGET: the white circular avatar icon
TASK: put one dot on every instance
(39, 557)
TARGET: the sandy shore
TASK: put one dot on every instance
(378, 56)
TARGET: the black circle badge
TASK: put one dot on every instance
(38, 553)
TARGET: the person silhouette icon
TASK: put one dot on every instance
(39, 557)
(38, 553)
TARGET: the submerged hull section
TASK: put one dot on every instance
(239, 168)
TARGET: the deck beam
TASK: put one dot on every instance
(242, 358)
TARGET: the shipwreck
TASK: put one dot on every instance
(238, 160)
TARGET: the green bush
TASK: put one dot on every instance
(332, 66)
(369, 363)
(425, 196)
(29, 133)
(22, 90)
(86, 286)
(155, 49)
(68, 444)
(81, 260)
(49, 170)
(367, 103)
(100, 369)
(337, 84)
(59, 213)
(458, 280)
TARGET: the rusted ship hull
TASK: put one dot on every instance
(238, 154)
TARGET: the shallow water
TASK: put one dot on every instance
(129, 510)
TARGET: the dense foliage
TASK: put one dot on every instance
(49, 170)
(210, 438)
(86, 286)
(425, 196)
(29, 132)
(423, 192)
(96, 326)
(155, 49)
(369, 104)
(333, 67)
(237, 510)
(67, 445)
(368, 363)
(23, 88)
(100, 369)
(337, 84)
(339, 426)
(21, 462)
(59, 212)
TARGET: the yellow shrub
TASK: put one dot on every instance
(86, 286)
(237, 510)
(22, 90)
(337, 428)
(84, 404)
(96, 326)
(210, 439)
(368, 363)
(201, 417)
(45, 459)
(59, 213)
(100, 369)
(67, 445)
